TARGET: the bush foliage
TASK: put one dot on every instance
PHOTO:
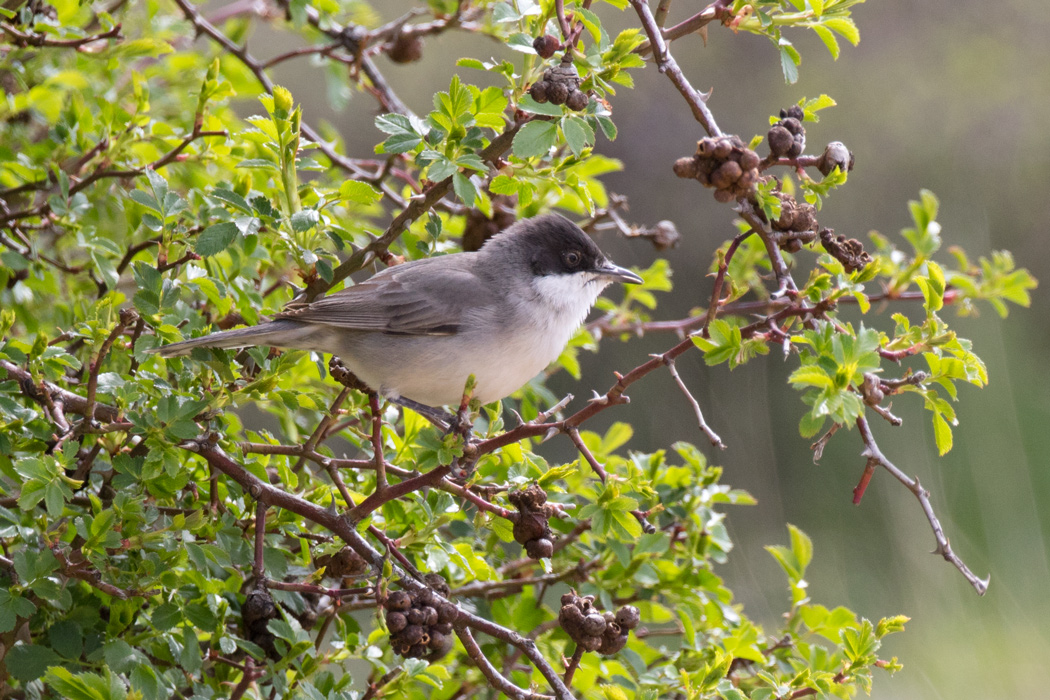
(239, 524)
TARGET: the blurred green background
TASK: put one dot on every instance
(952, 97)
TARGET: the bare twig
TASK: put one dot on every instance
(944, 549)
(711, 434)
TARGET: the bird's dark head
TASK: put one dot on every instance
(551, 245)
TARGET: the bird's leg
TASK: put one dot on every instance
(438, 416)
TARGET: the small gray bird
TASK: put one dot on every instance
(418, 330)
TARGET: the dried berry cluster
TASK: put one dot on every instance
(256, 613)
(531, 527)
(722, 162)
(787, 138)
(560, 85)
(345, 562)
(848, 251)
(798, 221)
(592, 629)
(406, 48)
(420, 623)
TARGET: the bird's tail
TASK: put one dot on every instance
(280, 333)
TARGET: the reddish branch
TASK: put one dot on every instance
(24, 39)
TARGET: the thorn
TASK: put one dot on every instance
(550, 433)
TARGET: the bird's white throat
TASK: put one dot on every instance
(571, 296)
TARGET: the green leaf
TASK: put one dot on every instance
(844, 26)
(359, 192)
(464, 188)
(27, 662)
(216, 238)
(942, 433)
(829, 40)
(578, 134)
(789, 60)
(535, 139)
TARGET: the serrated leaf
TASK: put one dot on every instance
(578, 134)
(216, 238)
(535, 139)
(464, 188)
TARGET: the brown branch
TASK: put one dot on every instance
(47, 392)
(485, 589)
(258, 568)
(377, 441)
(127, 317)
(496, 679)
(23, 39)
(720, 276)
(317, 590)
(872, 452)
(344, 528)
(574, 663)
(666, 64)
(711, 434)
(574, 434)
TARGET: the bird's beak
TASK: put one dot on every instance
(618, 274)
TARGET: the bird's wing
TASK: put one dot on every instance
(408, 299)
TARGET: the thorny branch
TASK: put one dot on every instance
(872, 452)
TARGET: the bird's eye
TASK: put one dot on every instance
(572, 258)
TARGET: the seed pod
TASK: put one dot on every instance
(577, 101)
(446, 612)
(430, 616)
(835, 155)
(415, 616)
(749, 160)
(686, 167)
(425, 598)
(589, 643)
(557, 93)
(570, 615)
(793, 125)
(442, 628)
(538, 91)
(398, 600)
(529, 526)
(396, 622)
(780, 140)
(442, 646)
(411, 635)
(726, 175)
(568, 599)
(546, 45)
(436, 641)
(418, 651)
(610, 617)
(406, 49)
(593, 624)
(611, 645)
(724, 196)
(541, 548)
(722, 149)
(438, 584)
